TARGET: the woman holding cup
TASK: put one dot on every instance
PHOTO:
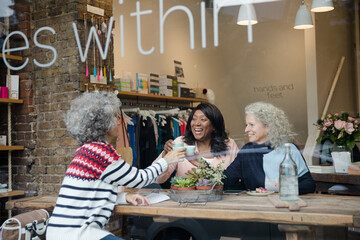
(257, 163)
(205, 137)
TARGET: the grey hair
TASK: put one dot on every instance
(275, 119)
(92, 115)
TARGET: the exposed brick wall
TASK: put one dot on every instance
(47, 92)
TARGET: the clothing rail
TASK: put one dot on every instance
(169, 111)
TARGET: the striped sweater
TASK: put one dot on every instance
(89, 191)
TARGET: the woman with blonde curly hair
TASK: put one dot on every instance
(257, 163)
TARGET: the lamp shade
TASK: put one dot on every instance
(303, 18)
(322, 5)
(247, 13)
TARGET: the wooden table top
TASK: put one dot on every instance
(321, 209)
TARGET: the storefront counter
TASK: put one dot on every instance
(337, 183)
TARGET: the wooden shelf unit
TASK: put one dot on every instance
(12, 193)
(10, 148)
(159, 98)
(140, 96)
(8, 100)
(13, 57)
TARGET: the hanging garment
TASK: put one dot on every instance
(147, 143)
(160, 131)
(165, 133)
(182, 127)
(123, 142)
(137, 118)
(131, 131)
(176, 128)
(156, 131)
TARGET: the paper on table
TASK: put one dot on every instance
(157, 197)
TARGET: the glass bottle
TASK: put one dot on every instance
(288, 182)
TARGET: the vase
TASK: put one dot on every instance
(341, 155)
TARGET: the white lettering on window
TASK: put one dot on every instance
(94, 34)
(4, 50)
(44, 46)
(138, 13)
(162, 18)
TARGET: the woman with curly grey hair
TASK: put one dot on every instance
(89, 190)
(257, 163)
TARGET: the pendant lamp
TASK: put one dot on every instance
(303, 18)
(247, 14)
(322, 5)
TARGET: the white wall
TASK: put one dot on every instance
(272, 68)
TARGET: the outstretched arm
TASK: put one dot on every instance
(232, 172)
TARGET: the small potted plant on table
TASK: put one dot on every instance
(204, 184)
(207, 176)
(184, 183)
(173, 182)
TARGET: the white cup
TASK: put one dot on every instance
(190, 150)
(178, 145)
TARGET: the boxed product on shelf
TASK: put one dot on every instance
(3, 188)
(192, 93)
(179, 71)
(2, 140)
(175, 87)
(13, 86)
(142, 83)
(154, 84)
(4, 92)
(167, 82)
(184, 92)
(123, 84)
(183, 89)
(166, 91)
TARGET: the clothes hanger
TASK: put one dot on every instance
(127, 118)
(135, 110)
(173, 111)
(177, 120)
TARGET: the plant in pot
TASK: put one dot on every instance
(207, 175)
(204, 184)
(218, 175)
(185, 183)
(173, 182)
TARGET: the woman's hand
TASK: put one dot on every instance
(137, 199)
(175, 156)
(168, 147)
(194, 159)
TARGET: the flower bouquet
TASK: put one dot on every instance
(342, 130)
(339, 128)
